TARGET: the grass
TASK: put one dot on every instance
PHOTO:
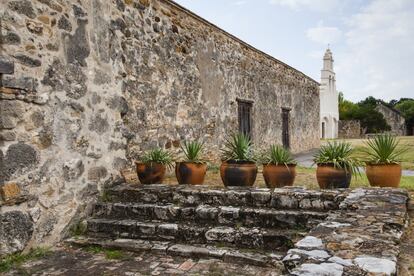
(78, 229)
(407, 141)
(110, 254)
(307, 177)
(14, 261)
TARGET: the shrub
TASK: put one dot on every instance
(277, 155)
(238, 147)
(340, 155)
(384, 149)
(192, 151)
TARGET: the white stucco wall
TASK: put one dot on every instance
(329, 114)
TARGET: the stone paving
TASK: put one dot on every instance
(70, 261)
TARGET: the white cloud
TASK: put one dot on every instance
(379, 52)
(324, 35)
(315, 5)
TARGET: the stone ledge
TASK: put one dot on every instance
(227, 254)
(187, 195)
(213, 215)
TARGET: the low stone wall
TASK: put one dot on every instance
(363, 237)
(349, 129)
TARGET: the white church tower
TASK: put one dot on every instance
(329, 99)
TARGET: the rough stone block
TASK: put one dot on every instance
(245, 258)
(168, 231)
(97, 173)
(11, 113)
(10, 191)
(23, 83)
(187, 250)
(130, 176)
(19, 156)
(228, 214)
(221, 234)
(261, 197)
(206, 212)
(6, 65)
(319, 269)
(17, 229)
(146, 229)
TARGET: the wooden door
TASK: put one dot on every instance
(245, 117)
(285, 128)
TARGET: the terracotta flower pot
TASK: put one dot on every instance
(150, 173)
(384, 175)
(330, 177)
(238, 173)
(190, 173)
(277, 176)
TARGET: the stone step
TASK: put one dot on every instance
(242, 237)
(188, 195)
(227, 254)
(212, 215)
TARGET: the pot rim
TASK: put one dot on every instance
(327, 165)
(188, 162)
(149, 163)
(280, 165)
(242, 162)
(382, 164)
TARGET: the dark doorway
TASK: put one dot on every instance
(323, 130)
(245, 117)
(285, 128)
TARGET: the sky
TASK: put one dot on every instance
(372, 40)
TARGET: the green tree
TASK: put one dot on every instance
(364, 111)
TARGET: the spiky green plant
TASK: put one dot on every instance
(192, 151)
(340, 155)
(238, 147)
(157, 155)
(384, 149)
(277, 155)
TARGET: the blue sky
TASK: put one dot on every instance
(372, 40)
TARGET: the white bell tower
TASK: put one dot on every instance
(329, 114)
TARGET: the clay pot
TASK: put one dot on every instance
(190, 173)
(330, 177)
(238, 173)
(150, 173)
(277, 176)
(384, 175)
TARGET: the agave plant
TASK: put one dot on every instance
(384, 149)
(340, 155)
(238, 147)
(157, 155)
(278, 155)
(192, 151)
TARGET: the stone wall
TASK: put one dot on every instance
(349, 129)
(88, 85)
(394, 119)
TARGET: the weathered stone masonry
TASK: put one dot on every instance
(88, 85)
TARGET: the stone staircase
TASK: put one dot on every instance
(242, 225)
